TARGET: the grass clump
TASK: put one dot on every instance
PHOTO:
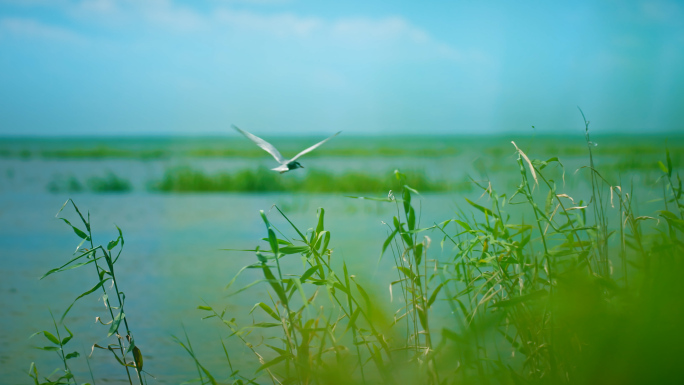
(65, 184)
(110, 183)
(186, 179)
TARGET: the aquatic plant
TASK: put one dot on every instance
(57, 345)
(103, 260)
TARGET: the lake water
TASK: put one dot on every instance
(173, 258)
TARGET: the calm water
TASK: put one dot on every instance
(173, 258)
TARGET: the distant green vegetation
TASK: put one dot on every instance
(186, 179)
(189, 180)
(102, 152)
(486, 158)
(347, 151)
(105, 152)
(65, 184)
(343, 146)
(110, 183)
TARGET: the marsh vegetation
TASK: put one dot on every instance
(548, 271)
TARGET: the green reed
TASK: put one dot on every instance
(103, 260)
(58, 344)
(320, 334)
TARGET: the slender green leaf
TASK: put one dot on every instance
(411, 219)
(308, 273)
(51, 337)
(527, 297)
(406, 195)
(77, 231)
(57, 269)
(115, 325)
(434, 294)
(267, 309)
(482, 208)
(294, 249)
(320, 226)
(300, 289)
(232, 281)
(99, 285)
(69, 337)
(112, 244)
(50, 348)
(387, 242)
(275, 284)
(370, 198)
(352, 319)
(271, 363)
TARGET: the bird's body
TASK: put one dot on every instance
(285, 164)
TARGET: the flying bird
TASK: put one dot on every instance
(285, 164)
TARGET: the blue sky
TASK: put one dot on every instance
(110, 67)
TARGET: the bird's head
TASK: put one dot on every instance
(294, 165)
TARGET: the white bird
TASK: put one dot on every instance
(285, 164)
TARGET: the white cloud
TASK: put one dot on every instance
(177, 18)
(356, 33)
(390, 33)
(357, 30)
(281, 25)
(98, 6)
(257, 2)
(389, 28)
(348, 30)
(34, 29)
(120, 13)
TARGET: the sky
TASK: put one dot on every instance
(162, 67)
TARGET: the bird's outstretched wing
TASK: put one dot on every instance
(313, 147)
(265, 145)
